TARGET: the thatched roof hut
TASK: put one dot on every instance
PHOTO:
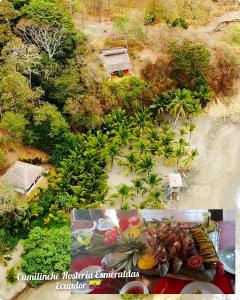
(115, 60)
(23, 176)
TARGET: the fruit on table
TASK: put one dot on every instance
(134, 220)
(133, 231)
(111, 236)
(195, 262)
(147, 261)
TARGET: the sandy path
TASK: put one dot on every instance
(213, 182)
(8, 291)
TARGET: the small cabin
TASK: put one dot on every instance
(116, 61)
(23, 176)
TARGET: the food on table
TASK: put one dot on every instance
(195, 261)
(176, 264)
(172, 245)
(197, 291)
(134, 220)
(147, 261)
(135, 290)
(111, 236)
(83, 236)
(206, 248)
(132, 231)
(132, 249)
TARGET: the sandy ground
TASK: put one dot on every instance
(7, 291)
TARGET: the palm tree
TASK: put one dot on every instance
(153, 180)
(160, 103)
(130, 160)
(146, 164)
(124, 192)
(142, 146)
(153, 135)
(183, 104)
(139, 187)
(188, 160)
(191, 128)
(179, 153)
(142, 119)
(112, 151)
(156, 197)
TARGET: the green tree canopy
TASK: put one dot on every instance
(49, 121)
(190, 60)
(15, 93)
(15, 123)
(48, 12)
(47, 251)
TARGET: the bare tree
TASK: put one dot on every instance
(25, 57)
(45, 38)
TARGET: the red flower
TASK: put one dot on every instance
(134, 220)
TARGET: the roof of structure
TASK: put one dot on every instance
(175, 180)
(116, 59)
(22, 175)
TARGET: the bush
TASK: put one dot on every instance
(149, 18)
(223, 73)
(47, 252)
(34, 161)
(158, 74)
(190, 60)
(178, 22)
(12, 275)
(2, 158)
(6, 241)
(235, 34)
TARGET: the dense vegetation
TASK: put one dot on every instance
(54, 97)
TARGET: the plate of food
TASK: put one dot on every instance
(105, 224)
(83, 236)
(200, 287)
(134, 287)
(227, 257)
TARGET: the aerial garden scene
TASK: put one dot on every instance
(124, 104)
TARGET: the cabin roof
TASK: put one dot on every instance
(115, 59)
(22, 175)
(175, 180)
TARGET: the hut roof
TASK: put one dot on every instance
(116, 59)
(22, 175)
(175, 180)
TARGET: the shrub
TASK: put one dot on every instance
(2, 158)
(224, 71)
(6, 241)
(178, 22)
(149, 18)
(158, 74)
(190, 60)
(235, 34)
(12, 275)
(47, 251)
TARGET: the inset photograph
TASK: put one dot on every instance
(153, 251)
